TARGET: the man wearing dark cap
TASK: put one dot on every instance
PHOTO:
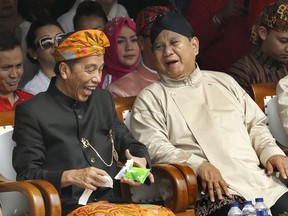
(268, 61)
(205, 119)
(70, 135)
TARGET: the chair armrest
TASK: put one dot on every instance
(285, 151)
(191, 181)
(35, 200)
(179, 200)
(7, 118)
(51, 196)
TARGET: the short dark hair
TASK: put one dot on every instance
(88, 8)
(70, 63)
(31, 35)
(8, 41)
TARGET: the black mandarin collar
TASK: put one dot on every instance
(62, 98)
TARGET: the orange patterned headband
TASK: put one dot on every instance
(82, 44)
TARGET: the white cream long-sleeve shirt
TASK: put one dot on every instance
(209, 117)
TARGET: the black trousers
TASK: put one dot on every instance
(281, 205)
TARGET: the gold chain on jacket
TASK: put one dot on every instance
(86, 144)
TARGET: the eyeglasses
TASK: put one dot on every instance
(47, 42)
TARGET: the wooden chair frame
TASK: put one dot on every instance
(7, 118)
(260, 90)
(184, 181)
(42, 196)
(33, 195)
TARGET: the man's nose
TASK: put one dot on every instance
(168, 50)
(13, 72)
(55, 44)
(97, 78)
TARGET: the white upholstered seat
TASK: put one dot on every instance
(13, 203)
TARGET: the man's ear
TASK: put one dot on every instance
(262, 32)
(64, 70)
(195, 44)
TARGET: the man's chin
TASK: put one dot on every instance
(82, 99)
(11, 89)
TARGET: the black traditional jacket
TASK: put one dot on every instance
(50, 130)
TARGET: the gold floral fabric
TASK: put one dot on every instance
(104, 208)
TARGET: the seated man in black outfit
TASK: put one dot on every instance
(70, 135)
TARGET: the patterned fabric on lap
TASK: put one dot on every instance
(104, 208)
(205, 207)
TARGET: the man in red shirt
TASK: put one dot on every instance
(11, 71)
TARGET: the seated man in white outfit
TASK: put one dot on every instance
(205, 119)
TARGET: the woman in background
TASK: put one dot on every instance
(42, 38)
(123, 55)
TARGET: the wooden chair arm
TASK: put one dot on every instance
(51, 197)
(7, 118)
(260, 90)
(33, 195)
(179, 201)
(285, 150)
(191, 181)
